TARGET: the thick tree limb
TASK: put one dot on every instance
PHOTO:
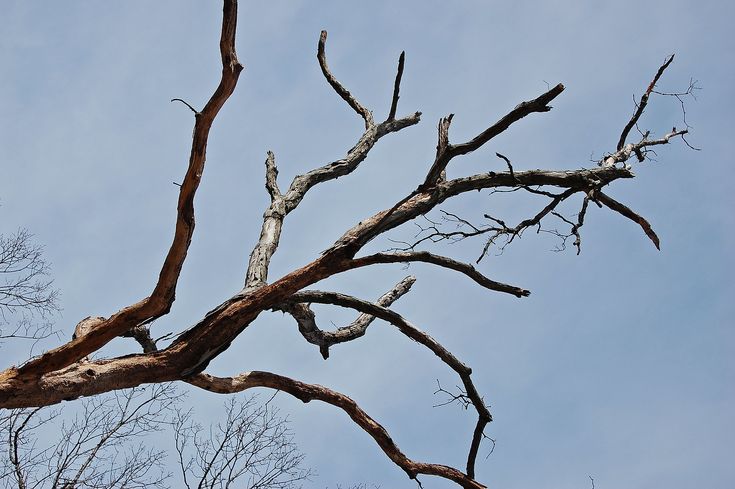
(160, 300)
(424, 199)
(310, 392)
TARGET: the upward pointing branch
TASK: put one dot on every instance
(446, 151)
(644, 101)
(163, 295)
(341, 90)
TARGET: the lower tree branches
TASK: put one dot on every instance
(312, 392)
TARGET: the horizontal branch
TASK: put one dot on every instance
(311, 392)
(639, 148)
(422, 200)
(442, 261)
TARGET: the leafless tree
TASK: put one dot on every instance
(61, 374)
(27, 295)
(102, 445)
(252, 443)
(106, 444)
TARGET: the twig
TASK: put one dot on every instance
(397, 87)
(185, 103)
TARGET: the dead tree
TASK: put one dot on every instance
(107, 444)
(27, 295)
(60, 373)
(102, 445)
(252, 443)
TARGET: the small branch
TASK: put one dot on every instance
(630, 214)
(445, 151)
(397, 87)
(142, 335)
(337, 86)
(512, 233)
(308, 328)
(442, 158)
(271, 176)
(639, 148)
(442, 261)
(644, 101)
(507, 162)
(196, 112)
(539, 104)
(310, 392)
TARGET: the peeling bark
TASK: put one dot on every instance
(66, 373)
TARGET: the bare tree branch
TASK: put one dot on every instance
(253, 442)
(308, 328)
(341, 90)
(642, 105)
(442, 261)
(445, 151)
(23, 273)
(310, 392)
(68, 372)
(160, 300)
(630, 214)
(397, 87)
(420, 337)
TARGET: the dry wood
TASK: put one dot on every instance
(66, 372)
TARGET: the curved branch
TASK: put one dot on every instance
(310, 392)
(442, 261)
(308, 328)
(162, 297)
(408, 329)
(341, 90)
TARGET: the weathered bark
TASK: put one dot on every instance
(66, 373)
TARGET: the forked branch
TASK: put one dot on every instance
(463, 371)
(306, 319)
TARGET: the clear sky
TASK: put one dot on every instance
(619, 366)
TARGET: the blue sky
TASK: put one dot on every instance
(620, 364)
